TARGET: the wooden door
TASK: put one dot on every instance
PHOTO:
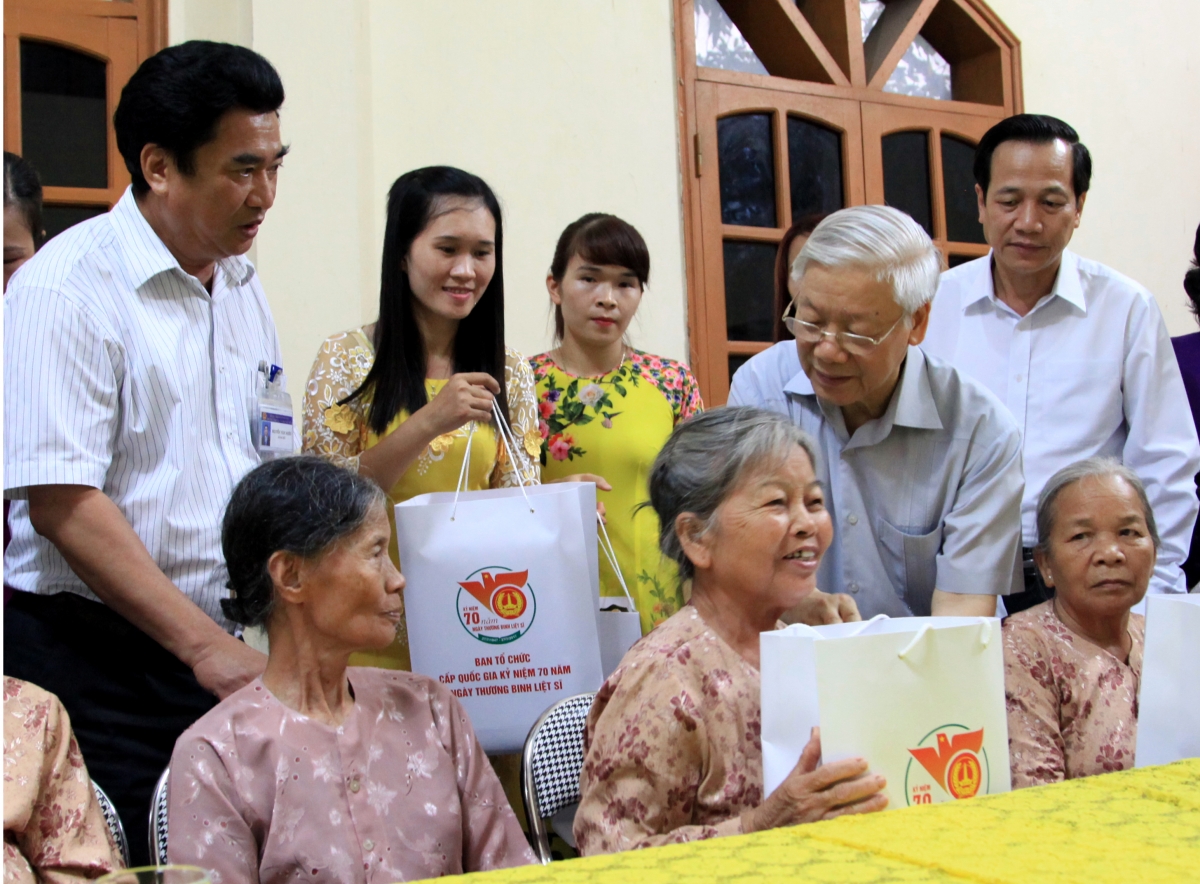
(65, 64)
(765, 158)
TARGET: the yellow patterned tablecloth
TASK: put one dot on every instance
(1134, 826)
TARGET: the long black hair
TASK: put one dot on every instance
(397, 378)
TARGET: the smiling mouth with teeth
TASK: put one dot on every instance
(806, 554)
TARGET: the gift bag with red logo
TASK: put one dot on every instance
(920, 698)
(501, 598)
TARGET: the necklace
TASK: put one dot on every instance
(557, 355)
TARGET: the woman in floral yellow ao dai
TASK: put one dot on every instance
(606, 408)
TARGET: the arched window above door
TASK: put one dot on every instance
(794, 107)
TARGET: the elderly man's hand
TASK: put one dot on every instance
(822, 608)
(227, 665)
(811, 793)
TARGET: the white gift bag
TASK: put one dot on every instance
(920, 698)
(618, 621)
(501, 599)
(1168, 726)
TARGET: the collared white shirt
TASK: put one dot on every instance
(926, 497)
(1088, 371)
(122, 373)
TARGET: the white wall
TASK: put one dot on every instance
(564, 108)
(1127, 77)
(569, 107)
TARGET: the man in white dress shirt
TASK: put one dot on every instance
(1077, 352)
(921, 465)
(132, 344)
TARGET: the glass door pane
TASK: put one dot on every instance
(906, 175)
(749, 290)
(958, 183)
(64, 115)
(746, 160)
(814, 168)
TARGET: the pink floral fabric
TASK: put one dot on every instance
(399, 791)
(673, 748)
(54, 830)
(1072, 706)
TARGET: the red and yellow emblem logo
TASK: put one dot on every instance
(956, 762)
(498, 606)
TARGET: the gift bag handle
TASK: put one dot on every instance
(985, 636)
(611, 554)
(862, 627)
(507, 439)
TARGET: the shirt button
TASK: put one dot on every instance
(1020, 378)
(230, 434)
(854, 587)
(368, 845)
(354, 785)
(222, 369)
(852, 519)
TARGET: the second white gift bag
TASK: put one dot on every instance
(921, 698)
(501, 597)
(1168, 726)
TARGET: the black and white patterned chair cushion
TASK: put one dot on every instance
(158, 820)
(558, 753)
(113, 820)
(551, 763)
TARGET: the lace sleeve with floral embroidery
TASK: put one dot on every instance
(338, 432)
(521, 388)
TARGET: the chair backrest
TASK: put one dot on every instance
(113, 820)
(158, 820)
(551, 763)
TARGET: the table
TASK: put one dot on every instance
(1133, 826)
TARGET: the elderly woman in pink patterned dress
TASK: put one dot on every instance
(1073, 664)
(318, 771)
(672, 741)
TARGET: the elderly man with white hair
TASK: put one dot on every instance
(921, 465)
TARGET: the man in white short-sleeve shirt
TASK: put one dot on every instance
(132, 346)
(921, 465)
(1077, 352)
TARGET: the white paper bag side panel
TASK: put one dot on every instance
(1169, 695)
(788, 667)
(504, 687)
(878, 706)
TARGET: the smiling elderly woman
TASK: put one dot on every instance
(672, 741)
(1073, 664)
(317, 771)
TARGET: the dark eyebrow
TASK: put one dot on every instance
(449, 237)
(254, 159)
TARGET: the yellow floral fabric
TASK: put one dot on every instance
(340, 432)
(614, 425)
(1139, 825)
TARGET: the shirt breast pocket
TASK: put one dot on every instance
(911, 562)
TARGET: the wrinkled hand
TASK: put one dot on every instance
(228, 665)
(466, 397)
(823, 608)
(601, 485)
(811, 793)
